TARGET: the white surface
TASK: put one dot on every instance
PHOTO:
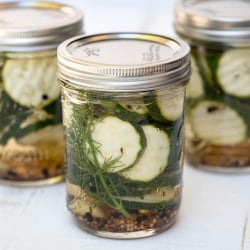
(215, 212)
(213, 216)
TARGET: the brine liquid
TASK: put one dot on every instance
(103, 198)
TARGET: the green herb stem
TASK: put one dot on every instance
(85, 154)
(117, 205)
(114, 202)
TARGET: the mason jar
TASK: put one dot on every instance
(123, 97)
(218, 96)
(31, 134)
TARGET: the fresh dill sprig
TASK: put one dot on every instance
(95, 179)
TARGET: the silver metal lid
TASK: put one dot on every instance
(33, 25)
(223, 21)
(123, 62)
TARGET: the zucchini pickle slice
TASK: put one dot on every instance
(167, 108)
(234, 72)
(117, 141)
(31, 82)
(217, 123)
(195, 87)
(171, 108)
(139, 107)
(154, 159)
(154, 200)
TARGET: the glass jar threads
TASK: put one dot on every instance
(123, 96)
(31, 135)
(218, 97)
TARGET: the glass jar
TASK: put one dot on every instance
(123, 119)
(218, 96)
(31, 134)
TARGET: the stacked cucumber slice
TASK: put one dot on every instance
(195, 87)
(234, 72)
(126, 155)
(219, 100)
(155, 156)
(31, 82)
(119, 140)
(167, 108)
(29, 92)
(217, 123)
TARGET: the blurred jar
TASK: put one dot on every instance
(31, 134)
(123, 117)
(218, 97)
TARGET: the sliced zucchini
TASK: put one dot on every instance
(206, 60)
(117, 141)
(124, 112)
(217, 123)
(154, 159)
(137, 107)
(8, 107)
(156, 196)
(31, 82)
(166, 107)
(47, 134)
(171, 107)
(34, 117)
(195, 86)
(10, 127)
(154, 200)
(234, 72)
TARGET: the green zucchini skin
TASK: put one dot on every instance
(13, 115)
(195, 87)
(230, 128)
(127, 115)
(137, 107)
(31, 82)
(156, 199)
(233, 72)
(118, 139)
(212, 65)
(135, 190)
(207, 61)
(154, 159)
(15, 131)
(82, 169)
(167, 109)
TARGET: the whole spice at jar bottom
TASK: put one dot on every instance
(199, 152)
(143, 213)
(36, 156)
(139, 221)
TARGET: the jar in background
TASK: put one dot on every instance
(218, 96)
(123, 96)
(31, 134)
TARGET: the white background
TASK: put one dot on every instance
(215, 212)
